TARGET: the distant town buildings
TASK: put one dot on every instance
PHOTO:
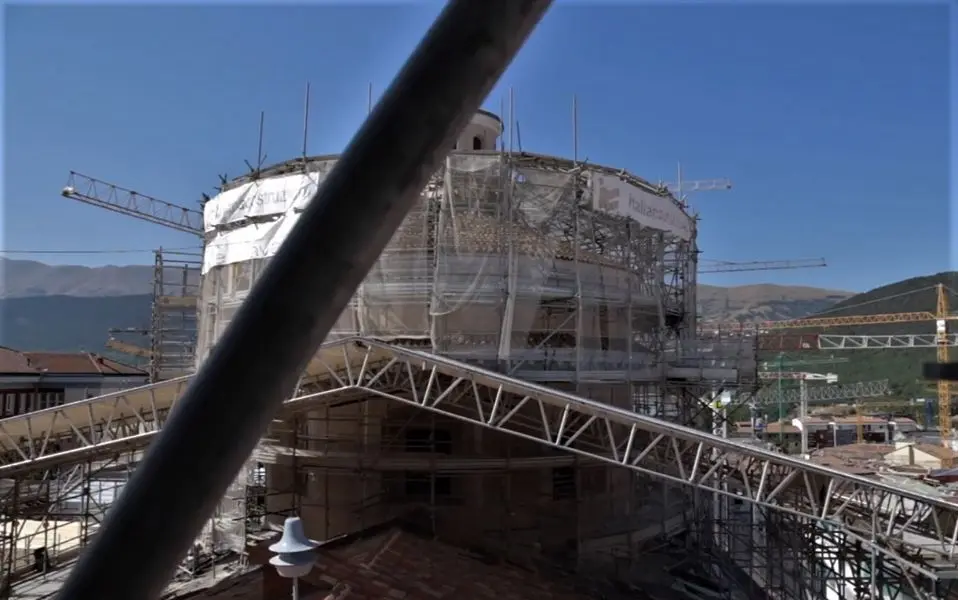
(827, 432)
(32, 381)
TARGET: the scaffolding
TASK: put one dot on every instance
(518, 374)
(503, 264)
(173, 322)
(538, 476)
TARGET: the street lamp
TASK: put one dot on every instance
(295, 553)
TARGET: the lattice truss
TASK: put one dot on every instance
(910, 534)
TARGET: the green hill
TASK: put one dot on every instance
(901, 367)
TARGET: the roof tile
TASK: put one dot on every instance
(14, 362)
(405, 566)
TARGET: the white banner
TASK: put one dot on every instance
(261, 198)
(613, 195)
(282, 198)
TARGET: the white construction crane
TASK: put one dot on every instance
(726, 266)
(803, 403)
(681, 188)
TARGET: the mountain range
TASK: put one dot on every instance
(69, 307)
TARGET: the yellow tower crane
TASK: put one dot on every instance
(944, 387)
(773, 335)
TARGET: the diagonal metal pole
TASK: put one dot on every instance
(293, 306)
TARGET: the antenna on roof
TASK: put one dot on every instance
(512, 117)
(502, 131)
(575, 130)
(260, 157)
(305, 121)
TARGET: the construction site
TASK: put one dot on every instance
(520, 401)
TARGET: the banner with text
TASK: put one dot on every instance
(261, 198)
(613, 195)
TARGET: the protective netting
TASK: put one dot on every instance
(504, 262)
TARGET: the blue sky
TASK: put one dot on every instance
(833, 121)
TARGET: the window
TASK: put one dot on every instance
(426, 439)
(210, 324)
(423, 486)
(476, 143)
(242, 277)
(563, 483)
(9, 405)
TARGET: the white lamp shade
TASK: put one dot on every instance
(294, 538)
(290, 571)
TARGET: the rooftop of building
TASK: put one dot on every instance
(17, 362)
(775, 427)
(870, 458)
(398, 560)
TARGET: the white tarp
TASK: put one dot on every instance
(250, 237)
(263, 198)
(612, 194)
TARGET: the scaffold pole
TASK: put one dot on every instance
(295, 303)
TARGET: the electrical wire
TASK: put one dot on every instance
(882, 299)
(124, 251)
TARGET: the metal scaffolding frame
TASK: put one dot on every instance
(617, 417)
(604, 384)
(881, 537)
(173, 323)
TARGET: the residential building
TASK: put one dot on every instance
(928, 456)
(32, 381)
(825, 432)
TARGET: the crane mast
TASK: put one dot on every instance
(944, 386)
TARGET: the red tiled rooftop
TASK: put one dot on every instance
(14, 362)
(393, 562)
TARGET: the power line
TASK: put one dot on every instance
(125, 251)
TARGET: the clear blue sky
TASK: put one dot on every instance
(832, 121)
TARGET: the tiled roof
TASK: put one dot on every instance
(939, 452)
(14, 362)
(393, 562)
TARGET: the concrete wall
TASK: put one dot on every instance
(909, 455)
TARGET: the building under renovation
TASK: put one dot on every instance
(534, 269)
(515, 403)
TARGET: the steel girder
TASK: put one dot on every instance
(824, 393)
(911, 529)
(865, 342)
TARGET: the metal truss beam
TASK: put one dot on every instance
(866, 342)
(910, 527)
(797, 342)
(825, 392)
(134, 204)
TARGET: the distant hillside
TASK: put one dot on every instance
(901, 367)
(45, 307)
(765, 302)
(27, 278)
(58, 322)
